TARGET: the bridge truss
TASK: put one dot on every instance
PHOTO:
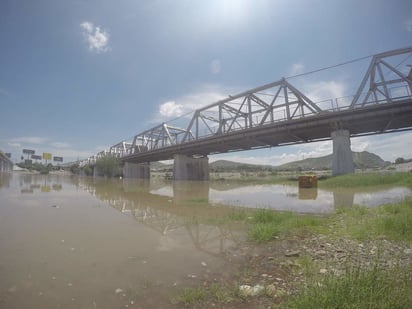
(273, 106)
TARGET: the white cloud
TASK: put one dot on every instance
(97, 39)
(14, 145)
(170, 109)
(87, 26)
(36, 140)
(297, 68)
(324, 93)
(188, 103)
(215, 66)
(408, 25)
(60, 145)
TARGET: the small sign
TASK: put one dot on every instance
(28, 151)
(36, 157)
(45, 188)
(47, 156)
(58, 159)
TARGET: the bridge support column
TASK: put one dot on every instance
(136, 170)
(189, 168)
(342, 161)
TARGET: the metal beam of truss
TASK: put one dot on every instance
(157, 137)
(378, 83)
(278, 101)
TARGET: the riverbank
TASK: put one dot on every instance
(354, 258)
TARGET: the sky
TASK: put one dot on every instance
(79, 76)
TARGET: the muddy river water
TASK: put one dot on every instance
(69, 242)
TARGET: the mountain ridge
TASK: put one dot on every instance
(362, 160)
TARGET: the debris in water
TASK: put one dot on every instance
(55, 206)
(118, 291)
(203, 264)
(69, 284)
(248, 290)
(292, 253)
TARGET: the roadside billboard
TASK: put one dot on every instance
(47, 156)
(36, 157)
(58, 159)
(28, 151)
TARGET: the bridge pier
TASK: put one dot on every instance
(190, 168)
(136, 170)
(342, 161)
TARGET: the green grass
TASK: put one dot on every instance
(391, 221)
(366, 180)
(191, 296)
(395, 220)
(358, 288)
(268, 224)
(198, 295)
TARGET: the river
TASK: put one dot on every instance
(70, 242)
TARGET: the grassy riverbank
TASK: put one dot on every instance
(367, 180)
(357, 257)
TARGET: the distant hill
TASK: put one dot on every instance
(225, 165)
(217, 166)
(361, 160)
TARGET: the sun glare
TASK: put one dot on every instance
(233, 11)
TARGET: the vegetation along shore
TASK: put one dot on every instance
(357, 257)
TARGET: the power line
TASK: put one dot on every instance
(330, 67)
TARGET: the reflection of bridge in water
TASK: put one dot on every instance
(173, 207)
(169, 215)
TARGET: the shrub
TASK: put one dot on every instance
(108, 166)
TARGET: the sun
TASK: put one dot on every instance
(233, 11)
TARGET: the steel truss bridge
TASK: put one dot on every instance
(279, 114)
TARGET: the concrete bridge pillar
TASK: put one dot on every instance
(342, 161)
(96, 172)
(189, 168)
(136, 170)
